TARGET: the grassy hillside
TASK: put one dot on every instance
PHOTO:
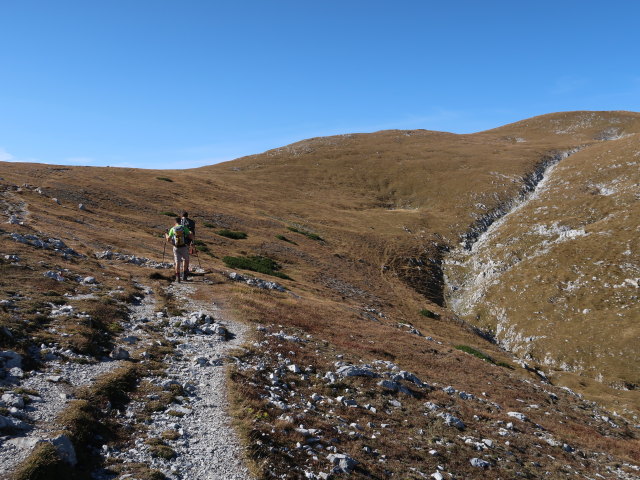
(362, 224)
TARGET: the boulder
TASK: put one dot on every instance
(119, 353)
(65, 449)
(11, 359)
(394, 387)
(56, 276)
(353, 371)
(478, 462)
(13, 400)
(520, 416)
(452, 421)
(342, 463)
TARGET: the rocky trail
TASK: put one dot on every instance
(203, 441)
(190, 437)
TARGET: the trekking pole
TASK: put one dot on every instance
(164, 249)
(198, 257)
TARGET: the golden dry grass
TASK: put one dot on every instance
(388, 207)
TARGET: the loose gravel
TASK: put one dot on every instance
(206, 446)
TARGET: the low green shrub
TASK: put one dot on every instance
(474, 352)
(256, 264)
(312, 236)
(169, 214)
(235, 235)
(164, 179)
(482, 356)
(285, 239)
(209, 224)
(428, 313)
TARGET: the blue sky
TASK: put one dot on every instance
(180, 84)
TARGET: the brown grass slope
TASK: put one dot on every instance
(388, 206)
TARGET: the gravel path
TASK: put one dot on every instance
(207, 447)
(43, 409)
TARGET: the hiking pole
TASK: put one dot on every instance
(198, 257)
(164, 249)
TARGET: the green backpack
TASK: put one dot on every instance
(179, 237)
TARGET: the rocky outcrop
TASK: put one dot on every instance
(529, 184)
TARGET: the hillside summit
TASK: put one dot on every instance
(421, 305)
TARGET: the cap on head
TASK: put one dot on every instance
(185, 214)
(177, 219)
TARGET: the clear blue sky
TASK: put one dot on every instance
(178, 84)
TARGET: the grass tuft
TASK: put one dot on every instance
(169, 214)
(43, 464)
(164, 179)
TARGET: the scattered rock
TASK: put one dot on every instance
(478, 462)
(56, 276)
(353, 371)
(452, 421)
(342, 463)
(13, 400)
(518, 415)
(256, 282)
(140, 261)
(119, 353)
(65, 449)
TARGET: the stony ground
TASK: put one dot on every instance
(195, 427)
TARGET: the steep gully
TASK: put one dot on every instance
(443, 274)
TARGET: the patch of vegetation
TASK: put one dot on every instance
(256, 263)
(43, 464)
(170, 435)
(312, 236)
(164, 179)
(428, 313)
(235, 235)
(141, 472)
(201, 246)
(209, 224)
(169, 214)
(482, 356)
(162, 451)
(285, 239)
(474, 352)
(113, 387)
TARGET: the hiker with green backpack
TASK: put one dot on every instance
(180, 237)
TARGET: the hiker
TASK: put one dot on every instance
(179, 236)
(191, 225)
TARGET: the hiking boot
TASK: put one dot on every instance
(185, 277)
(178, 278)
